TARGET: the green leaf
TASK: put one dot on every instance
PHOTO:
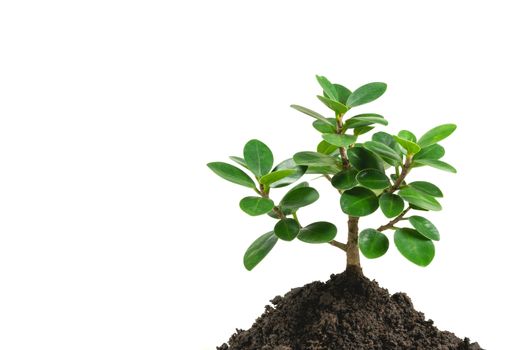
(328, 87)
(300, 170)
(335, 106)
(361, 158)
(323, 127)
(411, 147)
(407, 135)
(276, 176)
(286, 229)
(362, 130)
(373, 179)
(365, 94)
(342, 93)
(420, 199)
(436, 134)
(314, 158)
(311, 114)
(364, 120)
(359, 201)
(384, 138)
(259, 249)
(373, 243)
(318, 232)
(256, 205)
(425, 227)
(391, 204)
(388, 154)
(258, 157)
(345, 179)
(231, 173)
(239, 161)
(326, 148)
(414, 246)
(324, 170)
(299, 197)
(431, 152)
(340, 140)
(438, 164)
(427, 187)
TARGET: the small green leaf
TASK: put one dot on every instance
(339, 140)
(388, 154)
(364, 120)
(427, 187)
(239, 161)
(326, 148)
(342, 93)
(361, 158)
(438, 164)
(436, 134)
(431, 152)
(335, 106)
(256, 205)
(414, 246)
(407, 135)
(359, 201)
(420, 199)
(425, 227)
(373, 179)
(300, 170)
(345, 179)
(318, 232)
(311, 113)
(365, 94)
(276, 176)
(258, 157)
(231, 173)
(362, 130)
(314, 158)
(411, 147)
(385, 139)
(391, 204)
(323, 170)
(373, 243)
(286, 229)
(259, 249)
(327, 87)
(299, 197)
(323, 127)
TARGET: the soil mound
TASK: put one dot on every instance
(347, 312)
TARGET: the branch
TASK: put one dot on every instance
(394, 221)
(338, 245)
(404, 172)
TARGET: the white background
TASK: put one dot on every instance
(115, 235)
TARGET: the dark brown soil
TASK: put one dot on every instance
(347, 312)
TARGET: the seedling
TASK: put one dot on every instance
(369, 175)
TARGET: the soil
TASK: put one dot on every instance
(347, 312)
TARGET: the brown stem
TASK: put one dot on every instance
(404, 172)
(352, 250)
(394, 221)
(338, 245)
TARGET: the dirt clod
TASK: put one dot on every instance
(347, 312)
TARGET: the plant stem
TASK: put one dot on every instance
(338, 245)
(404, 172)
(394, 221)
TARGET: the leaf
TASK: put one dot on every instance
(362, 130)
(373, 179)
(311, 114)
(436, 134)
(239, 161)
(427, 187)
(318, 232)
(323, 169)
(256, 205)
(342, 93)
(258, 157)
(314, 158)
(414, 246)
(340, 140)
(345, 179)
(328, 87)
(364, 120)
(359, 201)
(411, 147)
(388, 154)
(335, 106)
(300, 170)
(373, 243)
(326, 148)
(299, 197)
(420, 199)
(365, 94)
(259, 249)
(438, 164)
(323, 127)
(231, 173)
(385, 139)
(425, 227)
(391, 204)
(361, 158)
(275, 176)
(286, 229)
(407, 135)
(431, 152)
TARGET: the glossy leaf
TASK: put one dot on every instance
(231, 173)
(365, 120)
(311, 113)
(427, 187)
(339, 140)
(373, 243)
(407, 135)
(388, 154)
(256, 205)
(431, 152)
(314, 158)
(345, 179)
(365, 94)
(258, 157)
(286, 229)
(326, 148)
(411, 147)
(239, 161)
(361, 130)
(414, 246)
(323, 169)
(425, 227)
(300, 170)
(299, 197)
(342, 93)
(361, 158)
(373, 179)
(318, 232)
(335, 106)
(359, 201)
(258, 250)
(276, 176)
(420, 199)
(384, 138)
(323, 127)
(438, 164)
(327, 87)
(436, 134)
(391, 204)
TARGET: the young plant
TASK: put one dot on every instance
(369, 175)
